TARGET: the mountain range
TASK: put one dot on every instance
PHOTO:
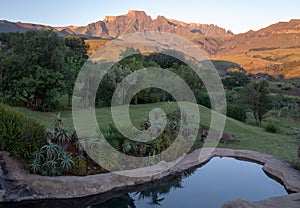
(273, 50)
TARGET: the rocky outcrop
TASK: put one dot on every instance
(289, 201)
(19, 185)
(115, 26)
(139, 21)
(134, 21)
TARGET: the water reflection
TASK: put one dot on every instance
(218, 181)
(125, 201)
(153, 196)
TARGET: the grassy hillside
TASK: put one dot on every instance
(251, 138)
(272, 61)
(94, 45)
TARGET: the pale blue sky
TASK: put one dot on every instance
(236, 15)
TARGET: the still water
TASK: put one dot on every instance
(209, 186)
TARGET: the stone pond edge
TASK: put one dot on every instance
(19, 185)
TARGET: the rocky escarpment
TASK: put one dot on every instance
(134, 21)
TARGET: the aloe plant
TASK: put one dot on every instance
(49, 134)
(35, 166)
(61, 135)
(58, 121)
(52, 160)
(51, 150)
(66, 162)
(51, 164)
(93, 142)
(38, 155)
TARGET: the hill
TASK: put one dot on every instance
(135, 21)
(274, 50)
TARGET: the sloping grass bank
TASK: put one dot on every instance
(251, 138)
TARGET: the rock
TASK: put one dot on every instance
(228, 138)
(238, 203)
(223, 138)
(2, 193)
(25, 186)
(290, 201)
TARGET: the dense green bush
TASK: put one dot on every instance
(271, 127)
(19, 135)
(237, 112)
(235, 79)
(204, 99)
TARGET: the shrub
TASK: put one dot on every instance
(271, 127)
(19, 135)
(287, 88)
(237, 112)
(52, 160)
(204, 99)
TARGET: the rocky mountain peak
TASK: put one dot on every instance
(137, 14)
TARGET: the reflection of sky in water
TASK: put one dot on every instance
(209, 186)
(218, 181)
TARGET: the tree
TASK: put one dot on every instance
(9, 62)
(166, 61)
(235, 79)
(192, 79)
(4, 60)
(237, 112)
(109, 83)
(256, 96)
(34, 64)
(132, 60)
(75, 58)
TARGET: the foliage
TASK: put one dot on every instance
(132, 61)
(278, 145)
(19, 135)
(192, 79)
(285, 106)
(233, 96)
(54, 158)
(271, 127)
(37, 67)
(51, 159)
(235, 79)
(161, 142)
(164, 60)
(109, 83)
(237, 112)
(256, 96)
(34, 62)
(204, 99)
(75, 57)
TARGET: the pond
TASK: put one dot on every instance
(218, 181)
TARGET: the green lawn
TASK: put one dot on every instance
(251, 138)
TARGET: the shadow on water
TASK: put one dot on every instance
(219, 180)
(153, 192)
